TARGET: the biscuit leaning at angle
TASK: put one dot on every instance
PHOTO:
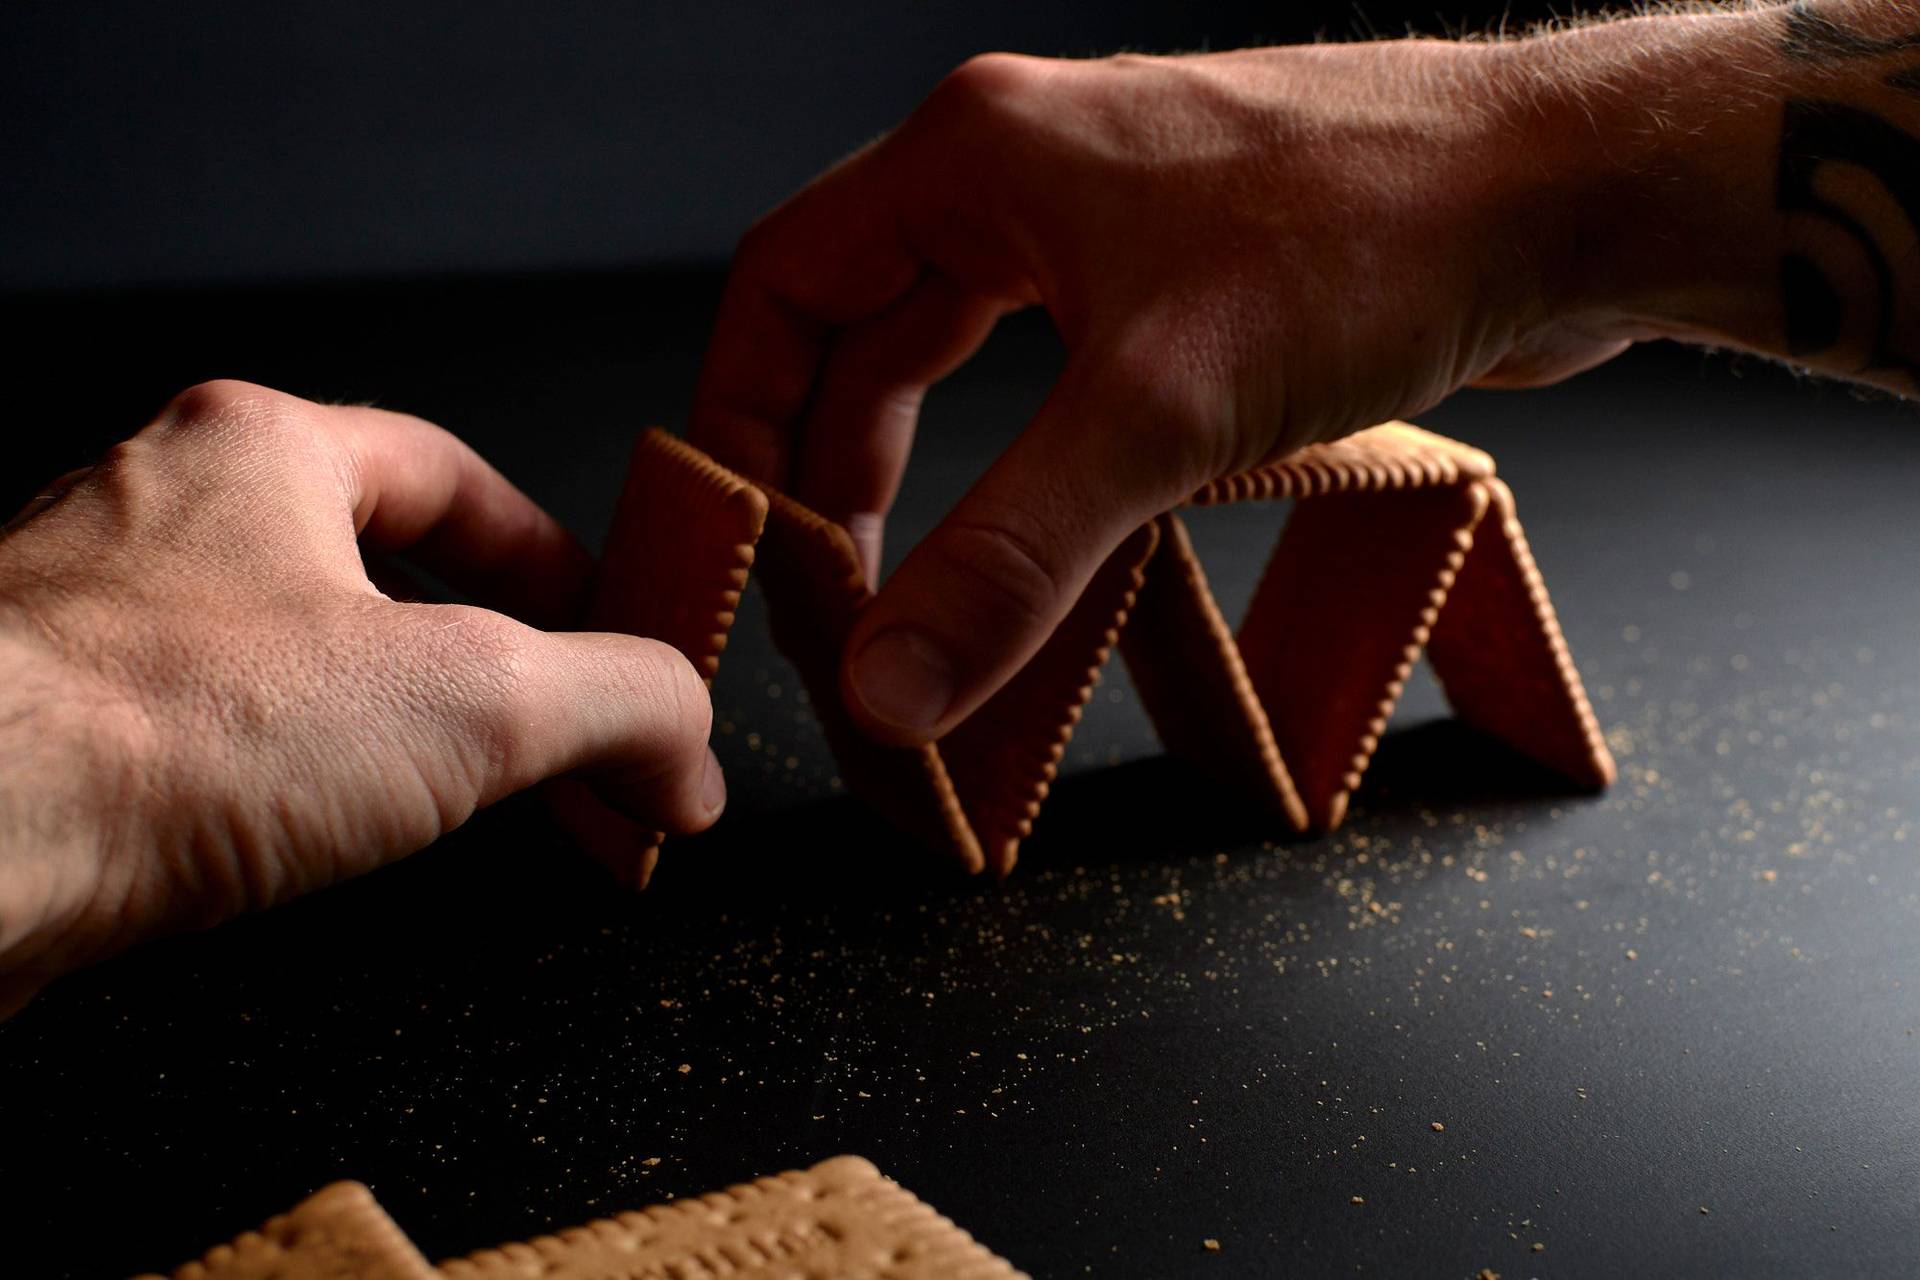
(1005, 756)
(810, 574)
(1188, 672)
(676, 561)
(1498, 652)
(1338, 621)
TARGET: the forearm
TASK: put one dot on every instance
(1746, 178)
(56, 804)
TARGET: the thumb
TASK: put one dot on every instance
(627, 716)
(975, 600)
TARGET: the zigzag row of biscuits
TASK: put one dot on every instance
(1390, 549)
(841, 1218)
(1401, 540)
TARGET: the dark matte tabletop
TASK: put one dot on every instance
(1670, 1030)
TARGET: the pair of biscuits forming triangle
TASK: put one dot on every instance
(1400, 540)
(840, 1218)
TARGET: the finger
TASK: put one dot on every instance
(628, 716)
(834, 254)
(418, 489)
(859, 427)
(49, 495)
(974, 601)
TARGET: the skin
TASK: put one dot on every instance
(206, 706)
(210, 708)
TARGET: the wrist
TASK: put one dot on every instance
(63, 793)
(1655, 139)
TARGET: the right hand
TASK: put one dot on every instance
(1245, 253)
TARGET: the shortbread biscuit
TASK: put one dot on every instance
(1187, 669)
(815, 589)
(841, 1219)
(338, 1233)
(1339, 619)
(1004, 756)
(673, 567)
(1498, 652)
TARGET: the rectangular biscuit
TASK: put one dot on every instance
(815, 589)
(1393, 455)
(1499, 654)
(1339, 617)
(839, 1219)
(338, 1233)
(674, 565)
(1188, 672)
(1004, 756)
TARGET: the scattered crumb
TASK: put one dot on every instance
(685, 1068)
(1358, 1200)
(1486, 1273)
(1703, 1211)
(1438, 1127)
(651, 1161)
(1537, 1247)
(1210, 1245)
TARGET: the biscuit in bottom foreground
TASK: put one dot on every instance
(841, 1218)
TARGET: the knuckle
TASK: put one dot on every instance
(231, 417)
(988, 81)
(216, 401)
(1015, 570)
(672, 693)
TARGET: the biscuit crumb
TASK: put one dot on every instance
(1486, 1273)
(1358, 1200)
(1537, 1247)
(1438, 1127)
(1703, 1211)
(651, 1161)
(685, 1068)
(1210, 1245)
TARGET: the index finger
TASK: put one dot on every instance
(419, 489)
(832, 255)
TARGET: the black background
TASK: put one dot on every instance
(196, 141)
(1165, 1027)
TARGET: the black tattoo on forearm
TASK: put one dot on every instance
(1817, 134)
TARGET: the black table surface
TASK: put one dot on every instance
(1670, 1030)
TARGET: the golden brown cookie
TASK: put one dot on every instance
(1005, 755)
(338, 1233)
(1188, 672)
(811, 576)
(1339, 619)
(674, 565)
(1498, 652)
(841, 1218)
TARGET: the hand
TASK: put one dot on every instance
(207, 707)
(1245, 253)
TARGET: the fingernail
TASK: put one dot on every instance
(903, 680)
(713, 785)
